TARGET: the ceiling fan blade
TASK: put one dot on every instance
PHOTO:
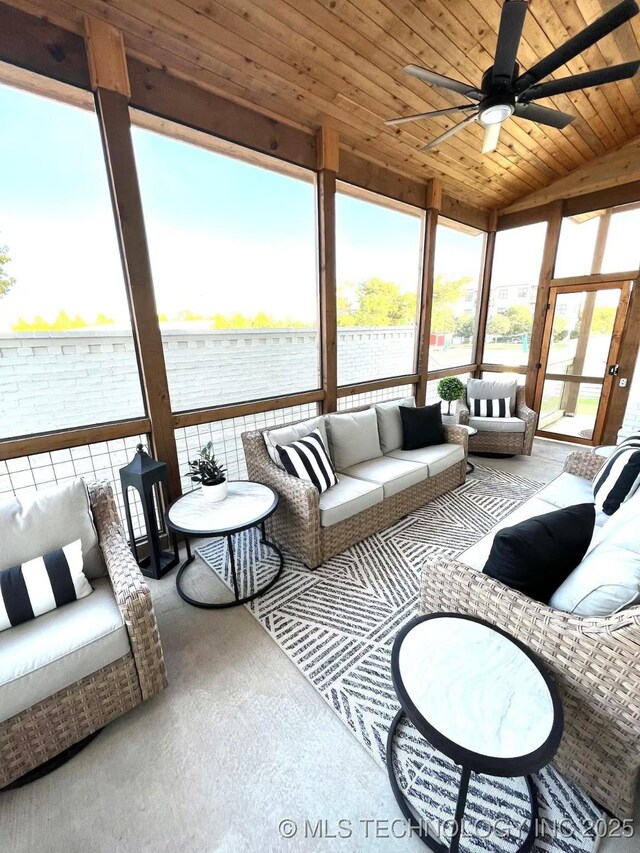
(583, 81)
(601, 27)
(440, 80)
(490, 140)
(463, 108)
(451, 132)
(509, 35)
(543, 115)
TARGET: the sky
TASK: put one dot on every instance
(224, 236)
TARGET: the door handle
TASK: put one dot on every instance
(613, 369)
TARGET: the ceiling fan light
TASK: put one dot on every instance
(496, 114)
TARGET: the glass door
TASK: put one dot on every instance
(582, 335)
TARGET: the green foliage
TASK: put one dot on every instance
(206, 469)
(6, 281)
(465, 326)
(62, 323)
(450, 389)
(375, 303)
(499, 325)
(520, 319)
(603, 320)
(446, 294)
(560, 329)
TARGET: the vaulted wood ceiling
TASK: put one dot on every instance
(339, 62)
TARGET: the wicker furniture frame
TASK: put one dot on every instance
(296, 524)
(39, 733)
(594, 661)
(502, 442)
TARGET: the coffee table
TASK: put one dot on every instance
(247, 505)
(480, 697)
(472, 431)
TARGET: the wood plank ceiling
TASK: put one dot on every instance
(339, 62)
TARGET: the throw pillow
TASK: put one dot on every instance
(536, 555)
(489, 408)
(353, 438)
(617, 480)
(493, 389)
(288, 434)
(421, 427)
(40, 585)
(390, 423)
(608, 578)
(308, 460)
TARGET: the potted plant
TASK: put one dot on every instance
(212, 476)
(450, 389)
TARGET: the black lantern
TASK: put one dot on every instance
(148, 476)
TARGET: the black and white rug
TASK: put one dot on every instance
(338, 624)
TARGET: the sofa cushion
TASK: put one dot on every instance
(497, 424)
(617, 480)
(44, 521)
(41, 585)
(608, 578)
(348, 497)
(477, 555)
(48, 654)
(566, 490)
(394, 475)
(353, 438)
(308, 460)
(289, 434)
(390, 422)
(422, 427)
(493, 389)
(437, 458)
(536, 555)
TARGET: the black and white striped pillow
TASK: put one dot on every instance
(617, 480)
(308, 459)
(500, 408)
(42, 584)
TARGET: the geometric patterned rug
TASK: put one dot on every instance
(338, 623)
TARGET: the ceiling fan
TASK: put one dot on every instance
(505, 92)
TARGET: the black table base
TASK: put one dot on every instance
(420, 826)
(237, 600)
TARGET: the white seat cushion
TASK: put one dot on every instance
(348, 497)
(477, 555)
(42, 656)
(497, 424)
(394, 475)
(437, 458)
(567, 490)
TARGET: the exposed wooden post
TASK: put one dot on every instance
(433, 203)
(482, 305)
(107, 62)
(554, 223)
(328, 165)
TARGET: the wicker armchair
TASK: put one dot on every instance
(502, 442)
(39, 733)
(296, 525)
(595, 663)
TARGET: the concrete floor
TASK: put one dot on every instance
(239, 743)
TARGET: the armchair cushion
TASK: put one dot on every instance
(47, 520)
(493, 389)
(498, 424)
(48, 654)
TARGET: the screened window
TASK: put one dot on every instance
(601, 241)
(514, 286)
(457, 272)
(378, 248)
(67, 357)
(233, 255)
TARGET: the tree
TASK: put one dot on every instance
(603, 320)
(375, 303)
(560, 329)
(499, 325)
(450, 389)
(442, 318)
(520, 319)
(465, 326)
(6, 281)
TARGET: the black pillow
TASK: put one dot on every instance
(538, 554)
(421, 427)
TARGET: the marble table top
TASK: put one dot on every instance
(476, 687)
(246, 504)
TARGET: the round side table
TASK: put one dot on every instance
(481, 698)
(246, 505)
(472, 431)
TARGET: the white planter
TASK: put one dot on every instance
(214, 494)
(449, 420)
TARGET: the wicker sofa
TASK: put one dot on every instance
(297, 525)
(511, 436)
(595, 661)
(75, 710)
